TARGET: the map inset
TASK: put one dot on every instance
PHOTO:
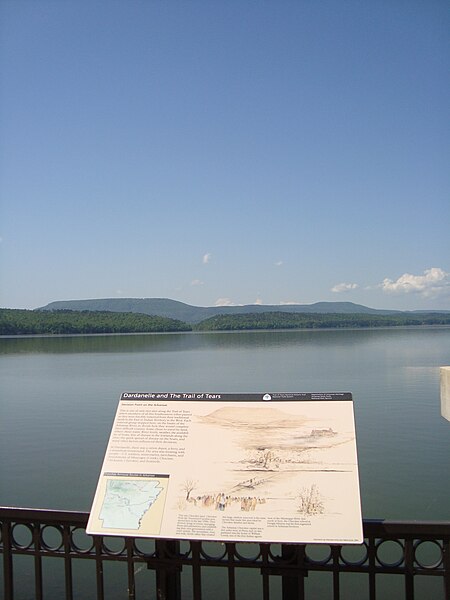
(127, 501)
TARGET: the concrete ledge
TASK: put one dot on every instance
(445, 392)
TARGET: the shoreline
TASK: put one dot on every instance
(224, 331)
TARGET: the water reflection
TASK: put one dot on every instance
(174, 342)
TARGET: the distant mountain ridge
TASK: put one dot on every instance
(173, 309)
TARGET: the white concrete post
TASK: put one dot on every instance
(445, 392)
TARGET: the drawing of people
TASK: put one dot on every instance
(220, 501)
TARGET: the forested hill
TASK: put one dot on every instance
(279, 320)
(164, 307)
(28, 322)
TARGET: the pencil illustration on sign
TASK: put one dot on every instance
(273, 448)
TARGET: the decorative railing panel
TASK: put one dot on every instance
(48, 555)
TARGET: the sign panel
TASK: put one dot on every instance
(231, 467)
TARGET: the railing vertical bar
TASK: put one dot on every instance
(372, 566)
(231, 572)
(130, 566)
(8, 575)
(409, 569)
(265, 572)
(336, 552)
(446, 565)
(196, 572)
(38, 587)
(98, 544)
(168, 580)
(303, 572)
(68, 577)
(161, 573)
(173, 549)
(293, 588)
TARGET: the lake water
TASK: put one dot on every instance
(59, 396)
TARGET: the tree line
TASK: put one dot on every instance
(282, 320)
(31, 322)
(35, 322)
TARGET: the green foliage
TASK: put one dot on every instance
(39, 322)
(29, 322)
(282, 320)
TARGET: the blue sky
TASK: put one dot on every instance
(231, 152)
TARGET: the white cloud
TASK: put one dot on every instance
(344, 287)
(224, 302)
(258, 301)
(278, 263)
(197, 282)
(206, 258)
(283, 302)
(433, 282)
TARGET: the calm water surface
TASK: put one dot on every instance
(59, 396)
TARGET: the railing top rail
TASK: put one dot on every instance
(372, 527)
(44, 514)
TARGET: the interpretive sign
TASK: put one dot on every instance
(231, 467)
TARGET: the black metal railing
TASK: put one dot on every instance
(47, 555)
